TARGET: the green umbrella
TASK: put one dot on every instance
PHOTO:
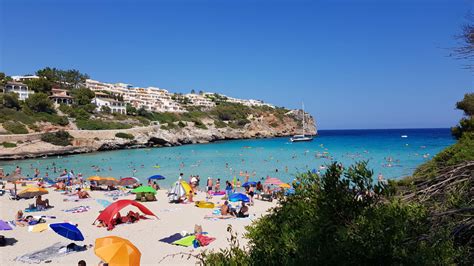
(146, 189)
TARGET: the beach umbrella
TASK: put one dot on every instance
(13, 177)
(144, 189)
(39, 228)
(32, 192)
(109, 181)
(273, 181)
(68, 231)
(4, 225)
(284, 185)
(248, 184)
(127, 181)
(239, 197)
(156, 177)
(115, 250)
(94, 178)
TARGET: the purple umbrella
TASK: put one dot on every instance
(4, 225)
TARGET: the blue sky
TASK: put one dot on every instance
(355, 64)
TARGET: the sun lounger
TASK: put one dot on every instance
(267, 197)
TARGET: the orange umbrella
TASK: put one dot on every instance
(94, 178)
(117, 251)
(32, 192)
(109, 181)
(284, 185)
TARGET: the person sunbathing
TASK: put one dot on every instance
(42, 203)
(19, 219)
(244, 211)
(82, 194)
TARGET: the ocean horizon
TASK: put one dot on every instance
(387, 152)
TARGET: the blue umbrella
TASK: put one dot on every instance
(156, 177)
(248, 184)
(68, 231)
(239, 197)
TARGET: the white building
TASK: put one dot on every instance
(95, 85)
(115, 106)
(24, 78)
(200, 100)
(18, 88)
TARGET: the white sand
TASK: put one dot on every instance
(173, 218)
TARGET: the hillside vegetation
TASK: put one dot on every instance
(38, 113)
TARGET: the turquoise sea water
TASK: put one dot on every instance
(388, 153)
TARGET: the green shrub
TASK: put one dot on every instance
(15, 127)
(199, 124)
(341, 218)
(124, 135)
(40, 102)
(219, 124)
(231, 111)
(59, 138)
(96, 124)
(7, 114)
(8, 145)
(274, 124)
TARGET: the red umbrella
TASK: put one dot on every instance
(127, 181)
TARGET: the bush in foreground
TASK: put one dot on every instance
(341, 218)
(59, 138)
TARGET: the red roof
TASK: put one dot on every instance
(107, 215)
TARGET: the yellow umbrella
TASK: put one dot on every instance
(40, 228)
(117, 251)
(284, 185)
(32, 192)
(94, 178)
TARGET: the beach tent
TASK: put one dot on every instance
(117, 251)
(107, 215)
(4, 225)
(156, 177)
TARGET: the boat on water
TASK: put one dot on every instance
(302, 137)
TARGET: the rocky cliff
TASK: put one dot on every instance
(264, 125)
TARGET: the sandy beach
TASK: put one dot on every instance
(145, 234)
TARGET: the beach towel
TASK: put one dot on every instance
(204, 240)
(5, 226)
(104, 203)
(79, 209)
(185, 241)
(172, 238)
(46, 254)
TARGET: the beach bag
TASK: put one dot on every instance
(197, 229)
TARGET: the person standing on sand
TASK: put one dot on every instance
(209, 185)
